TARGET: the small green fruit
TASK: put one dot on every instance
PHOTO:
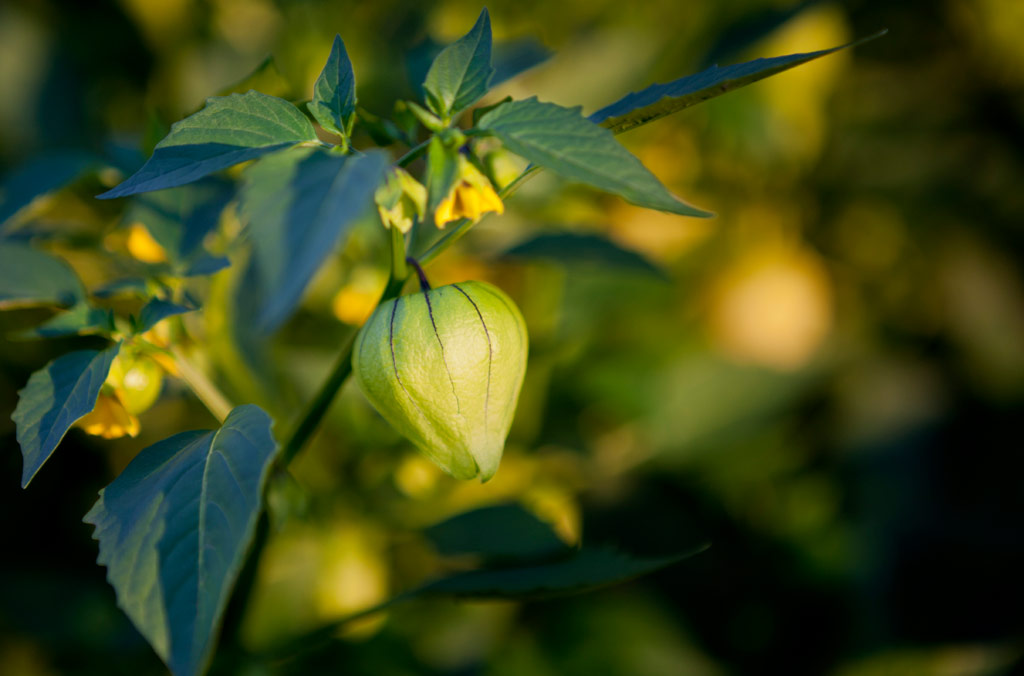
(444, 367)
(137, 381)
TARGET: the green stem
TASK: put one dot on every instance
(208, 393)
(407, 158)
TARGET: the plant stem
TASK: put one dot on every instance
(407, 158)
(208, 393)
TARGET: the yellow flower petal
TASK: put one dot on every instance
(109, 419)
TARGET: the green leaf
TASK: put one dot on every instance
(334, 94)
(298, 206)
(585, 570)
(31, 277)
(561, 140)
(462, 72)
(54, 399)
(180, 218)
(80, 319)
(496, 532)
(442, 170)
(157, 310)
(660, 100)
(174, 529)
(229, 130)
(579, 248)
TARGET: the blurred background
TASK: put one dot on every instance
(826, 383)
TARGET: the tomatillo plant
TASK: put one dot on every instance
(181, 529)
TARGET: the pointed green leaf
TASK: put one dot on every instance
(496, 532)
(562, 140)
(157, 310)
(462, 72)
(298, 205)
(32, 277)
(174, 529)
(660, 100)
(54, 399)
(80, 319)
(581, 248)
(334, 94)
(229, 130)
(585, 570)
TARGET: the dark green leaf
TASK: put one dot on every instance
(31, 277)
(498, 532)
(660, 100)
(334, 94)
(80, 319)
(179, 219)
(229, 130)
(206, 264)
(174, 529)
(54, 399)
(561, 140)
(298, 205)
(518, 56)
(132, 287)
(462, 72)
(585, 570)
(571, 248)
(157, 310)
(40, 176)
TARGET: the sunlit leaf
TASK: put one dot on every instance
(334, 94)
(174, 529)
(585, 570)
(569, 248)
(562, 140)
(298, 206)
(54, 399)
(462, 72)
(229, 130)
(32, 277)
(660, 100)
(498, 532)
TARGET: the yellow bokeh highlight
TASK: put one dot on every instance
(142, 246)
(417, 477)
(772, 307)
(109, 419)
(798, 96)
(352, 577)
(660, 236)
(356, 300)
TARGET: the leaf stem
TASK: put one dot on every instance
(418, 150)
(208, 393)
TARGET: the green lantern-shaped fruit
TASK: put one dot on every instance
(444, 367)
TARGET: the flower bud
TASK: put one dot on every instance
(401, 200)
(444, 367)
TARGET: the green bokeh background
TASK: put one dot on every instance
(828, 388)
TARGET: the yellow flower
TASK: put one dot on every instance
(401, 200)
(109, 419)
(143, 247)
(471, 197)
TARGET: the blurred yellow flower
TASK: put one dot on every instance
(401, 200)
(357, 299)
(471, 197)
(143, 247)
(109, 419)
